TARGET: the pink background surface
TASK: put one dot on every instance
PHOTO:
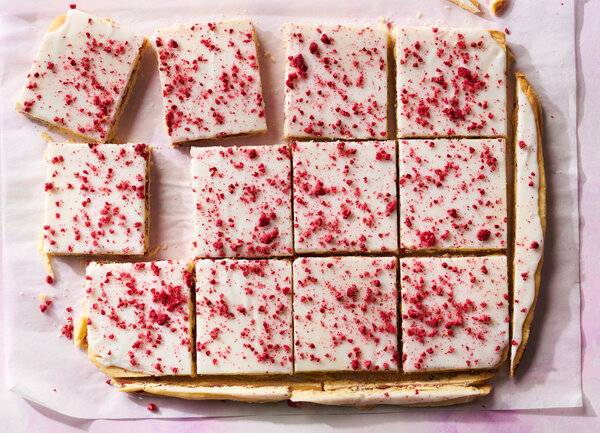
(17, 414)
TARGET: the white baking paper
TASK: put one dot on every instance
(47, 369)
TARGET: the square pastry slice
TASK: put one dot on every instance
(243, 203)
(138, 317)
(454, 313)
(336, 81)
(450, 82)
(82, 76)
(210, 80)
(453, 194)
(345, 196)
(345, 314)
(243, 316)
(96, 199)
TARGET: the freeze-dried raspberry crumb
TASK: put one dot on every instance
(483, 235)
(427, 239)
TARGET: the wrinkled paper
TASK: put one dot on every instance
(46, 368)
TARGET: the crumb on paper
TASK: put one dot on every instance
(385, 21)
(46, 137)
(44, 305)
(419, 14)
(496, 6)
(470, 5)
(268, 54)
(42, 298)
(153, 252)
(165, 246)
(67, 329)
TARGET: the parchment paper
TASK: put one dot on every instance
(47, 369)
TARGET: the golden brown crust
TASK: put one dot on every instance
(496, 6)
(80, 331)
(57, 22)
(469, 5)
(533, 99)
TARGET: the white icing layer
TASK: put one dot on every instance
(454, 312)
(243, 316)
(345, 314)
(529, 237)
(95, 198)
(396, 396)
(254, 394)
(243, 201)
(138, 316)
(449, 82)
(345, 196)
(210, 80)
(80, 74)
(336, 81)
(453, 194)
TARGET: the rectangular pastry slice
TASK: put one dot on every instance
(450, 82)
(414, 396)
(242, 201)
(345, 196)
(138, 317)
(345, 314)
(453, 194)
(530, 215)
(336, 81)
(82, 76)
(96, 199)
(210, 80)
(243, 316)
(454, 313)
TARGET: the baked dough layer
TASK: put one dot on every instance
(327, 389)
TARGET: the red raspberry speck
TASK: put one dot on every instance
(483, 235)
(151, 407)
(49, 279)
(427, 239)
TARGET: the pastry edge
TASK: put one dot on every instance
(534, 101)
(441, 392)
